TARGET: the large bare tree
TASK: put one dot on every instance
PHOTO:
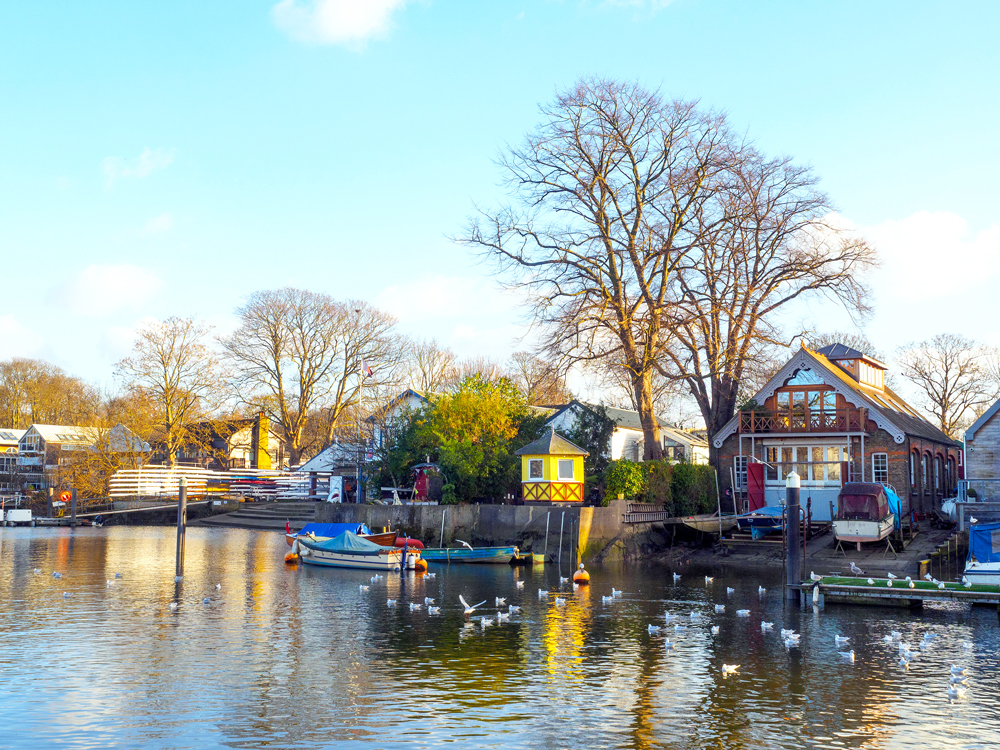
(608, 193)
(35, 391)
(298, 354)
(173, 366)
(540, 380)
(765, 243)
(952, 373)
(430, 366)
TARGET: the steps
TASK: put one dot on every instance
(265, 516)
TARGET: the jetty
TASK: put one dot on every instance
(849, 590)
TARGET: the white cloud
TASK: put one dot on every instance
(347, 22)
(151, 160)
(158, 224)
(100, 290)
(16, 340)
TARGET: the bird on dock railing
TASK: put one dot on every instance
(856, 570)
(814, 577)
(728, 669)
(470, 609)
(871, 581)
(889, 583)
(912, 585)
(941, 585)
(928, 577)
(891, 577)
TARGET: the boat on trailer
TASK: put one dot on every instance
(866, 512)
(348, 550)
(982, 567)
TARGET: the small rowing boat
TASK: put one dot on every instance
(710, 523)
(495, 555)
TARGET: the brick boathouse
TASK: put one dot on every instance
(828, 416)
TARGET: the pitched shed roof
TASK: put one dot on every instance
(970, 434)
(551, 444)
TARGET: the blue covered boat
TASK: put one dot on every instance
(319, 532)
(348, 550)
(497, 555)
(761, 521)
(983, 565)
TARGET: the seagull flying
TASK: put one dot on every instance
(470, 609)
(465, 543)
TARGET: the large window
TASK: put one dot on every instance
(566, 468)
(880, 468)
(817, 464)
(913, 472)
(937, 473)
(923, 474)
(534, 468)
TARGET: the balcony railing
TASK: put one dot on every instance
(804, 420)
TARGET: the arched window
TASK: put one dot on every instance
(913, 472)
(923, 473)
(938, 486)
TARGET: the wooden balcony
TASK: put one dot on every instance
(803, 421)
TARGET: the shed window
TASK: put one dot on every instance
(880, 468)
(740, 468)
(534, 468)
(566, 468)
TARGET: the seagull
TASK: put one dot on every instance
(761, 591)
(730, 591)
(942, 586)
(743, 613)
(912, 585)
(414, 606)
(362, 588)
(887, 639)
(786, 633)
(433, 610)
(791, 643)
(815, 577)
(972, 519)
(377, 577)
(930, 636)
(871, 581)
(889, 583)
(694, 615)
(896, 635)
(559, 601)
(485, 623)
(679, 628)
(708, 580)
(178, 579)
(653, 629)
(904, 662)
(465, 543)
(955, 669)
(891, 577)
(499, 600)
(670, 645)
(766, 626)
(728, 669)
(110, 583)
(563, 580)
(432, 575)
(607, 599)
(968, 584)
(469, 610)
(841, 640)
(37, 571)
(519, 584)
(428, 600)
(677, 577)
(957, 680)
(669, 617)
(173, 605)
(57, 575)
(928, 577)
(856, 570)
(967, 644)
(848, 655)
(501, 616)
(217, 586)
(720, 608)
(512, 608)
(390, 602)
(615, 592)
(119, 575)
(67, 594)
(956, 692)
(715, 630)
(542, 593)
(909, 580)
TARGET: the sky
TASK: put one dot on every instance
(171, 158)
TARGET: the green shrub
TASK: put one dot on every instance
(659, 481)
(624, 478)
(448, 496)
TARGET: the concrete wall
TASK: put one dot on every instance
(600, 534)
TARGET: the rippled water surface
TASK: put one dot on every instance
(301, 657)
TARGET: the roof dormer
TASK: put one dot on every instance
(862, 368)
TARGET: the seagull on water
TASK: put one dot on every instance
(743, 613)
(889, 583)
(430, 575)
(390, 602)
(957, 679)
(173, 605)
(485, 623)
(930, 636)
(57, 575)
(414, 606)
(856, 570)
(694, 615)
(377, 577)
(668, 617)
(559, 601)
(428, 600)
(607, 599)
(362, 588)
(730, 591)
(433, 610)
(511, 608)
(178, 579)
(967, 644)
(501, 600)
(653, 629)
(728, 669)
(678, 628)
(720, 608)
(677, 577)
(37, 571)
(955, 669)
(957, 692)
(519, 584)
(766, 626)
(469, 610)
(542, 593)
(206, 600)
(67, 594)
(217, 586)
(708, 580)
(615, 592)
(841, 640)
(896, 635)
(670, 645)
(501, 616)
(848, 655)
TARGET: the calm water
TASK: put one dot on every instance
(284, 657)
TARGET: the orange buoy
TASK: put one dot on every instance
(420, 565)
(581, 577)
(291, 558)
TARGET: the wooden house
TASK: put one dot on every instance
(44, 449)
(225, 444)
(829, 416)
(982, 456)
(552, 470)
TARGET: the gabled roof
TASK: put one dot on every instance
(970, 434)
(60, 433)
(551, 444)
(628, 419)
(885, 407)
(119, 438)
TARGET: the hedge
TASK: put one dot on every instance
(682, 489)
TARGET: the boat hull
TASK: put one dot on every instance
(480, 555)
(859, 531)
(710, 523)
(387, 560)
(983, 574)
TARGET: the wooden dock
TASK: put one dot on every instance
(845, 591)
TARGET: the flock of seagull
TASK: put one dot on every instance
(111, 582)
(958, 676)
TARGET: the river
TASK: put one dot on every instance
(259, 654)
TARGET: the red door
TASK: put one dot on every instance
(755, 486)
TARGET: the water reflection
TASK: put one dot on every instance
(258, 654)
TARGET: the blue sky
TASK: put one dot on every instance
(169, 158)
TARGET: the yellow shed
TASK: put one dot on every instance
(552, 470)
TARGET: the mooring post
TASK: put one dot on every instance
(49, 510)
(182, 517)
(441, 538)
(546, 553)
(562, 520)
(792, 550)
(72, 509)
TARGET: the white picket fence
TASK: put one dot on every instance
(164, 482)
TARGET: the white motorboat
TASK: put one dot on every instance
(347, 550)
(864, 513)
(983, 565)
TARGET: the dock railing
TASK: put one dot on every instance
(982, 512)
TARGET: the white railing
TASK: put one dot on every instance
(986, 490)
(164, 481)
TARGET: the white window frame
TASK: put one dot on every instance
(876, 471)
(541, 464)
(740, 470)
(560, 464)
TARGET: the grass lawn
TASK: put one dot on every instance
(901, 585)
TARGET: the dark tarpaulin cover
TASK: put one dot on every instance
(348, 544)
(984, 542)
(862, 501)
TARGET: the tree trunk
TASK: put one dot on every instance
(652, 450)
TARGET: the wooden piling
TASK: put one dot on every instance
(562, 520)
(72, 509)
(49, 510)
(181, 525)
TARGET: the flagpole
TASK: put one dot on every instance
(361, 391)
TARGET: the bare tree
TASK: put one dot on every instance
(298, 352)
(608, 193)
(172, 366)
(540, 381)
(765, 243)
(952, 373)
(35, 391)
(431, 367)
(490, 370)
